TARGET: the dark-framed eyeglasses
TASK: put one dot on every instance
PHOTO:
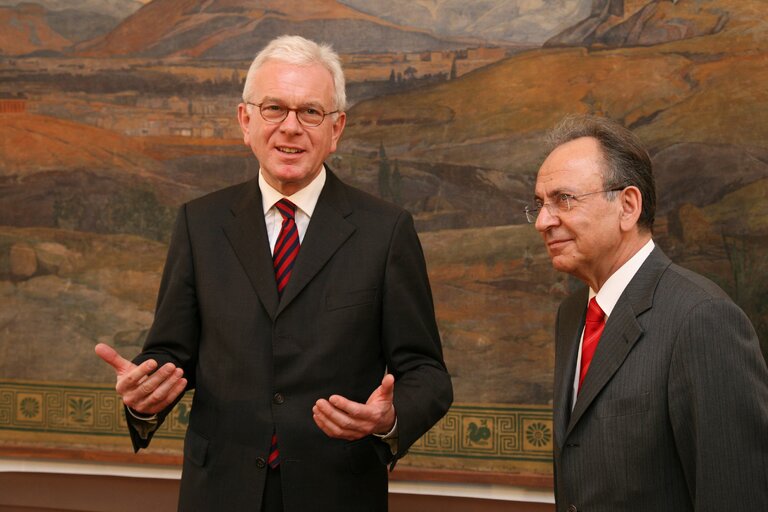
(275, 113)
(561, 203)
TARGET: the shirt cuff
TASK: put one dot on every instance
(144, 425)
(153, 417)
(390, 438)
(391, 434)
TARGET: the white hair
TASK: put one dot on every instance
(303, 52)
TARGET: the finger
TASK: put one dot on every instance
(353, 420)
(163, 387)
(138, 392)
(329, 424)
(165, 393)
(155, 380)
(130, 381)
(112, 358)
(346, 406)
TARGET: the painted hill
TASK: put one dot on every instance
(616, 23)
(44, 29)
(116, 9)
(57, 173)
(232, 29)
(670, 94)
(26, 29)
(515, 21)
(34, 144)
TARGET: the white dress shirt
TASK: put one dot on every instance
(609, 295)
(305, 201)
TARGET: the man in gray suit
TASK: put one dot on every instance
(299, 310)
(661, 392)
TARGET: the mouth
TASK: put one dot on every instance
(289, 151)
(556, 244)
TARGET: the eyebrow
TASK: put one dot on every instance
(553, 193)
(312, 104)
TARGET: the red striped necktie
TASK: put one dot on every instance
(283, 257)
(593, 329)
(287, 244)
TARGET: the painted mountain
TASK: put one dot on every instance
(53, 26)
(491, 21)
(232, 29)
(116, 9)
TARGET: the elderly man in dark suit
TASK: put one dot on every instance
(299, 309)
(661, 392)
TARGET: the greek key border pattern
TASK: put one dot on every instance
(513, 433)
(493, 432)
(93, 410)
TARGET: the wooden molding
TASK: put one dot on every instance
(401, 473)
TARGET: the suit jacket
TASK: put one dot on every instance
(673, 413)
(358, 304)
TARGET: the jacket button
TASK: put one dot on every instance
(260, 463)
(278, 398)
(572, 508)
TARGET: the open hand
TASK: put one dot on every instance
(144, 388)
(341, 418)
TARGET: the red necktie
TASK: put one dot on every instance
(592, 332)
(283, 257)
(287, 244)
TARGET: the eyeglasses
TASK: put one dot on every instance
(561, 203)
(276, 113)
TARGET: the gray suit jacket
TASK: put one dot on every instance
(358, 303)
(673, 413)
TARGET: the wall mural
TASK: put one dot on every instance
(113, 112)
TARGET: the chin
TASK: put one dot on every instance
(560, 265)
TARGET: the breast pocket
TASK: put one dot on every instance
(358, 298)
(624, 406)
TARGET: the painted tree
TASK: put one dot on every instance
(385, 191)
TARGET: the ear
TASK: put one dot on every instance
(337, 129)
(244, 118)
(631, 201)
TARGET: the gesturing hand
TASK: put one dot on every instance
(344, 419)
(142, 390)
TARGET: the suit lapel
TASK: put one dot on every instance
(570, 322)
(621, 332)
(247, 233)
(328, 230)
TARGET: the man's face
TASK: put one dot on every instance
(289, 153)
(585, 240)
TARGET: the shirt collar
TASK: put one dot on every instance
(613, 288)
(305, 199)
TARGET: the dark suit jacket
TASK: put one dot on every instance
(358, 303)
(673, 413)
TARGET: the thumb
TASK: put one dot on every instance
(385, 392)
(112, 358)
(388, 387)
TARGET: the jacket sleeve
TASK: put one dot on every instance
(174, 334)
(423, 390)
(718, 396)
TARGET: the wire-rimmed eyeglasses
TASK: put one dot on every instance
(275, 113)
(561, 203)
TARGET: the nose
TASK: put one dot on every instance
(291, 123)
(545, 219)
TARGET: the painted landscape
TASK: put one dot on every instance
(113, 113)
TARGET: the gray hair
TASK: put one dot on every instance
(302, 52)
(627, 162)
